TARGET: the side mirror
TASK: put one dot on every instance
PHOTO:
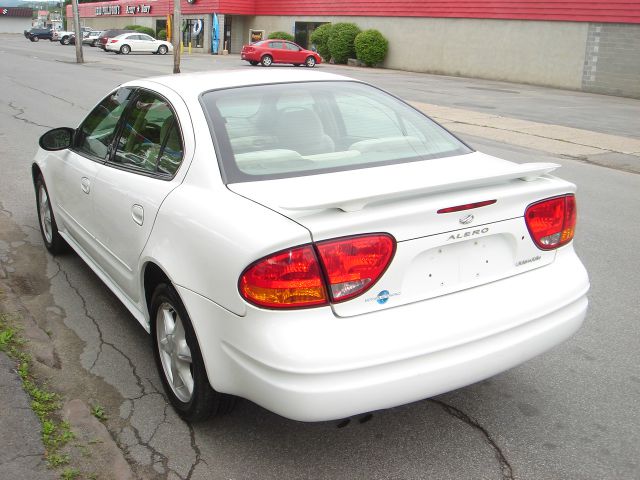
(57, 139)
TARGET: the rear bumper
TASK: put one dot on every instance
(310, 365)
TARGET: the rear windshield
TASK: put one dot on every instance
(285, 130)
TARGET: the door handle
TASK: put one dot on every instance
(85, 183)
(137, 213)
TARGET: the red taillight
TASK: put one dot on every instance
(354, 264)
(293, 278)
(287, 279)
(552, 222)
(113, 40)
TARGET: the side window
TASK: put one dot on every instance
(150, 140)
(276, 45)
(291, 46)
(98, 130)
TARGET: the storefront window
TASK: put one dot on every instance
(193, 32)
(303, 31)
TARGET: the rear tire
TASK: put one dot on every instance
(266, 61)
(35, 39)
(48, 226)
(65, 40)
(179, 360)
(253, 62)
(125, 49)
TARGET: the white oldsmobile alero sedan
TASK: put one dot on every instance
(137, 43)
(310, 242)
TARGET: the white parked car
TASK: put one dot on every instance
(137, 43)
(310, 242)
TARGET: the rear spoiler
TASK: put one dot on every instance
(348, 200)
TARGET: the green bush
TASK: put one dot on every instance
(341, 41)
(320, 38)
(162, 35)
(281, 36)
(141, 29)
(147, 30)
(371, 47)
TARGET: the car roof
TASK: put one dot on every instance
(188, 84)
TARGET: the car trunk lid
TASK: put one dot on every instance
(437, 253)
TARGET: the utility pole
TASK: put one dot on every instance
(176, 33)
(76, 28)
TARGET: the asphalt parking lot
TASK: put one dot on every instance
(572, 413)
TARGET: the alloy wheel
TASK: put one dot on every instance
(45, 214)
(175, 354)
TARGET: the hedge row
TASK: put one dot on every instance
(281, 36)
(342, 41)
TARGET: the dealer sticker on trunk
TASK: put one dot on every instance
(382, 297)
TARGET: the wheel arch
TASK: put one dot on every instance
(153, 275)
(35, 173)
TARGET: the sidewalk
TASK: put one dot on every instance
(22, 452)
(599, 148)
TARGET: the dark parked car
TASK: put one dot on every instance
(91, 38)
(35, 34)
(108, 34)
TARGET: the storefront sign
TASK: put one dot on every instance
(128, 9)
(133, 9)
(255, 35)
(108, 10)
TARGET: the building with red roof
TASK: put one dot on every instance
(589, 45)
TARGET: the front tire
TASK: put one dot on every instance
(310, 62)
(48, 226)
(35, 39)
(125, 49)
(162, 50)
(179, 360)
(65, 41)
(266, 61)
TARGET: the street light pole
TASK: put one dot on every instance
(176, 33)
(76, 28)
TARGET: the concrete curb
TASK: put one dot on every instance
(88, 430)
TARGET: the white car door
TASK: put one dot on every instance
(147, 43)
(73, 171)
(133, 183)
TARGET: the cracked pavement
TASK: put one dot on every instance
(572, 413)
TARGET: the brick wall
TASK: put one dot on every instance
(612, 59)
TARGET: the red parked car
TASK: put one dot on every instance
(267, 52)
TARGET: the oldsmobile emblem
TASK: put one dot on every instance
(466, 219)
